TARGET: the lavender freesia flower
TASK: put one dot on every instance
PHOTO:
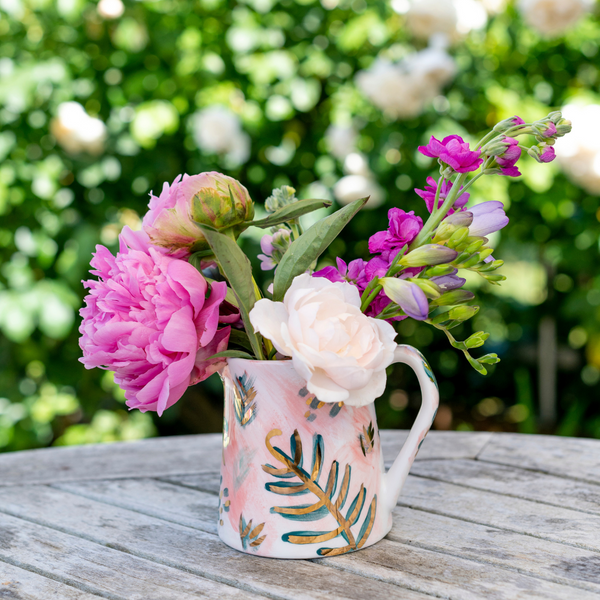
(403, 229)
(455, 152)
(487, 218)
(449, 282)
(408, 296)
(428, 194)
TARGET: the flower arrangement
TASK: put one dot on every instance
(180, 298)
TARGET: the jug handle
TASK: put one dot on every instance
(398, 472)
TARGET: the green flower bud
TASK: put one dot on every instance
(458, 236)
(280, 197)
(451, 224)
(221, 202)
(485, 253)
(563, 127)
(429, 254)
(463, 313)
(453, 297)
(476, 340)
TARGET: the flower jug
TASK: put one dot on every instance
(302, 478)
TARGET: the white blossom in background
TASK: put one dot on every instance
(579, 152)
(358, 182)
(76, 131)
(450, 18)
(218, 130)
(341, 140)
(403, 89)
(110, 9)
(553, 17)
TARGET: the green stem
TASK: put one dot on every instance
(435, 219)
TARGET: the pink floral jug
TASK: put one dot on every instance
(302, 478)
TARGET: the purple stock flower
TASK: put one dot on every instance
(352, 273)
(403, 229)
(455, 152)
(508, 159)
(428, 194)
(548, 155)
(487, 218)
(550, 130)
(517, 121)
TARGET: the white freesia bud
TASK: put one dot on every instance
(340, 352)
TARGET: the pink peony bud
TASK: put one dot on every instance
(208, 198)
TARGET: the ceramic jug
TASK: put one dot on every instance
(302, 478)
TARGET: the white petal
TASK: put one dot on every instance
(267, 318)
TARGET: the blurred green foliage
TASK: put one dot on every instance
(286, 68)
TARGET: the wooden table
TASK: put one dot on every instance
(483, 515)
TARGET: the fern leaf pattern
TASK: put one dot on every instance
(330, 497)
(244, 399)
(367, 439)
(249, 535)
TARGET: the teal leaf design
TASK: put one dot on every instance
(244, 395)
(330, 498)
(249, 535)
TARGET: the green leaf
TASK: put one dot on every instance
(289, 213)
(240, 338)
(236, 268)
(232, 354)
(310, 245)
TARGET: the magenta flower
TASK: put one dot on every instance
(508, 159)
(455, 152)
(148, 319)
(517, 121)
(352, 273)
(550, 130)
(403, 229)
(487, 218)
(548, 155)
(428, 194)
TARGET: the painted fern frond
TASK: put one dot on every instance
(244, 395)
(330, 498)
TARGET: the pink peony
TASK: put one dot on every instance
(208, 198)
(148, 319)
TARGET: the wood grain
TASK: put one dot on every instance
(459, 573)
(573, 458)
(19, 584)
(185, 549)
(98, 569)
(183, 454)
(551, 523)
(520, 483)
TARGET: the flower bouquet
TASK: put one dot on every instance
(307, 357)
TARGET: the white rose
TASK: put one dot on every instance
(553, 17)
(340, 352)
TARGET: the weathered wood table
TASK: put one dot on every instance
(482, 515)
